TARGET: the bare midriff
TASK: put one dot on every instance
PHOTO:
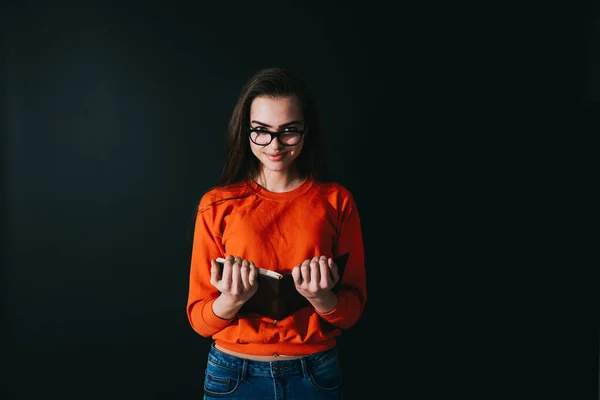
(274, 357)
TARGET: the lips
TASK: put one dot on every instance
(275, 157)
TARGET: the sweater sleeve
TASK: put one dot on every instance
(207, 245)
(353, 294)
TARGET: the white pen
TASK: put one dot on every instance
(261, 271)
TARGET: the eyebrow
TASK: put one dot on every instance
(269, 126)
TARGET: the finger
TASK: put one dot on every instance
(315, 271)
(324, 272)
(235, 278)
(297, 275)
(244, 271)
(253, 274)
(305, 271)
(334, 270)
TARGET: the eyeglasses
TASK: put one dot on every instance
(288, 137)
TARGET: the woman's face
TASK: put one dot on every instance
(276, 114)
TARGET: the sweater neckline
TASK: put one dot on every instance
(281, 196)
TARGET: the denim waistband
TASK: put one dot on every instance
(271, 368)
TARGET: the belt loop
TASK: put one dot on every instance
(304, 367)
(244, 370)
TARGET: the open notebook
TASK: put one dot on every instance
(277, 297)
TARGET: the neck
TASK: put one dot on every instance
(279, 182)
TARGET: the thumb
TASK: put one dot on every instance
(215, 272)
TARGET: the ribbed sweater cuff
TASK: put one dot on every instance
(211, 319)
(338, 312)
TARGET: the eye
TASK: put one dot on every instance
(260, 129)
(292, 130)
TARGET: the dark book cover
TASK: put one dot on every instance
(277, 297)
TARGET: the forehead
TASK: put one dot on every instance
(275, 109)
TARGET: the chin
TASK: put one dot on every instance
(278, 167)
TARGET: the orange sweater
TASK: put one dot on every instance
(277, 231)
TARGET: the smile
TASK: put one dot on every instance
(275, 157)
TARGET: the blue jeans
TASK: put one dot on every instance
(317, 376)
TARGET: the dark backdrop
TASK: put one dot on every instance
(114, 115)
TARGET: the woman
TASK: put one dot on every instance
(273, 208)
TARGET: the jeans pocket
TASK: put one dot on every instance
(327, 375)
(220, 381)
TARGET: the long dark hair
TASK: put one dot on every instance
(240, 164)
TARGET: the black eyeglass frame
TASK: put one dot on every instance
(275, 135)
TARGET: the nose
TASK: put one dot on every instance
(275, 144)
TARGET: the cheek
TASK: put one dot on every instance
(256, 150)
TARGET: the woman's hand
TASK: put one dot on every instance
(314, 280)
(237, 283)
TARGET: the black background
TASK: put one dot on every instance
(114, 116)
